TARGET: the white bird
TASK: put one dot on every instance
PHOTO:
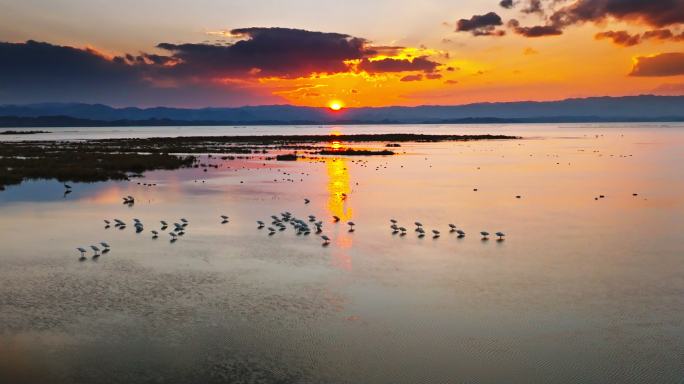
(501, 235)
(326, 240)
(105, 245)
(461, 233)
(435, 233)
(453, 227)
(155, 234)
(95, 249)
(485, 235)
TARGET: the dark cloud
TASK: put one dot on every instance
(657, 13)
(189, 74)
(623, 38)
(664, 64)
(658, 34)
(412, 78)
(422, 64)
(508, 4)
(662, 34)
(534, 31)
(37, 62)
(626, 39)
(433, 76)
(278, 52)
(33, 72)
(481, 25)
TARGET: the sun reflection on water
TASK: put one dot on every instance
(338, 189)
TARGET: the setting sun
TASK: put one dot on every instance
(335, 105)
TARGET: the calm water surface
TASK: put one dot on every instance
(581, 290)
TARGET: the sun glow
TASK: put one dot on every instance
(335, 105)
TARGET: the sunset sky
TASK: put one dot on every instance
(313, 52)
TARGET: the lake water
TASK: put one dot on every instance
(582, 290)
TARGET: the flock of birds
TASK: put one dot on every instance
(279, 223)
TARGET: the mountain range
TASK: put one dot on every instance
(595, 109)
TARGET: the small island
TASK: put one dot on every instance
(121, 159)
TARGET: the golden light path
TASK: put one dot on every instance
(339, 187)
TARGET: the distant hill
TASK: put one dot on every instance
(595, 109)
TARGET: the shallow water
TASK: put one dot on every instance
(581, 290)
